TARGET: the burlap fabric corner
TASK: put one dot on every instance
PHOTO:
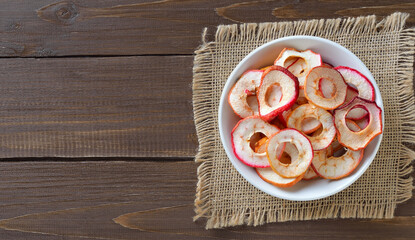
(387, 49)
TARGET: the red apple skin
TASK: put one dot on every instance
(234, 150)
(363, 76)
(338, 133)
(229, 94)
(270, 116)
(282, 119)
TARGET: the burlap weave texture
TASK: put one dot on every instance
(386, 48)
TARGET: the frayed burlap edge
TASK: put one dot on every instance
(205, 120)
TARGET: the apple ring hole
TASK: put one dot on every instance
(317, 132)
(286, 158)
(309, 125)
(339, 152)
(273, 95)
(252, 102)
(290, 61)
(257, 142)
(327, 88)
(357, 112)
(299, 68)
(363, 123)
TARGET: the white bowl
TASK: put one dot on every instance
(265, 55)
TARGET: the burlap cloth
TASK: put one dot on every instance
(225, 198)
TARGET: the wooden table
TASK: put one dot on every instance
(96, 126)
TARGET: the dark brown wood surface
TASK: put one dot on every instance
(131, 27)
(143, 200)
(134, 106)
(96, 132)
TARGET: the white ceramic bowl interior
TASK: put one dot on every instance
(265, 55)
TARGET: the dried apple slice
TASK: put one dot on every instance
(331, 167)
(300, 159)
(328, 132)
(310, 174)
(242, 96)
(305, 61)
(276, 79)
(313, 93)
(358, 80)
(358, 140)
(268, 175)
(245, 137)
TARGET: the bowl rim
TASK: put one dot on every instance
(223, 100)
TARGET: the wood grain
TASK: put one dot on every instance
(143, 200)
(133, 27)
(111, 107)
(139, 106)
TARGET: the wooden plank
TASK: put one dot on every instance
(143, 200)
(134, 27)
(111, 107)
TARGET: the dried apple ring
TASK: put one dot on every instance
(331, 167)
(312, 87)
(328, 132)
(360, 81)
(246, 138)
(304, 61)
(268, 175)
(300, 159)
(242, 96)
(276, 79)
(358, 140)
